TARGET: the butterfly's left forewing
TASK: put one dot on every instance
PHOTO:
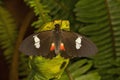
(38, 44)
(76, 45)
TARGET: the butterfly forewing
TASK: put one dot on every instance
(71, 44)
(85, 49)
(43, 40)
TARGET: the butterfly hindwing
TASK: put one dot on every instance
(73, 49)
(38, 44)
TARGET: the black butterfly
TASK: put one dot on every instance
(53, 42)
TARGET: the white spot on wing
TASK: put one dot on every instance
(78, 42)
(37, 41)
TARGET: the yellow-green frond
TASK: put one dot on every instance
(8, 32)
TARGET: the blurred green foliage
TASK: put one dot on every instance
(98, 20)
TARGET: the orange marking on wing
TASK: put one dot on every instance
(62, 47)
(52, 47)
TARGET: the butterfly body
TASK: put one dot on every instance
(57, 38)
(53, 42)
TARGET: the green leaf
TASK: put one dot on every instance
(90, 76)
(79, 70)
(47, 68)
(8, 32)
(41, 11)
(103, 28)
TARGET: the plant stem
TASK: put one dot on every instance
(69, 75)
(13, 75)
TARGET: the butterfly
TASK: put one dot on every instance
(54, 42)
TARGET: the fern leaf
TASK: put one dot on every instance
(8, 32)
(40, 10)
(62, 9)
(104, 21)
(79, 70)
(58, 7)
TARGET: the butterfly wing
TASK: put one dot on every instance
(86, 48)
(44, 41)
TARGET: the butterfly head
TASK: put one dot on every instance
(57, 27)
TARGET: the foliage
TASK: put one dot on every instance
(0, 1)
(8, 35)
(99, 20)
(103, 20)
(81, 70)
(8, 32)
(40, 11)
(45, 69)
